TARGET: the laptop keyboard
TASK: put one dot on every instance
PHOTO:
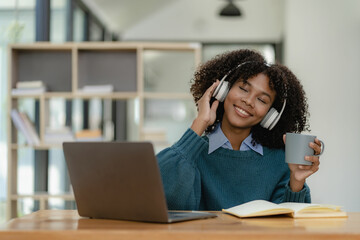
(176, 216)
(173, 215)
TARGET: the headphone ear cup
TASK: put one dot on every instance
(221, 91)
(269, 119)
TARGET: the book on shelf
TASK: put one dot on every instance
(259, 208)
(89, 135)
(28, 88)
(25, 126)
(31, 128)
(27, 91)
(106, 88)
(30, 84)
(58, 135)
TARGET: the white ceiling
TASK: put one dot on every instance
(190, 20)
(119, 15)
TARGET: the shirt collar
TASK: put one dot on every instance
(218, 139)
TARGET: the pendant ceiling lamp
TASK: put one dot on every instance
(230, 10)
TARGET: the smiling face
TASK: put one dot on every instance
(247, 103)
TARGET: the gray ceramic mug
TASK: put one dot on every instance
(297, 147)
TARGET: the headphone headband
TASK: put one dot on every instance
(241, 64)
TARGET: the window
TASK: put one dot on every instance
(79, 24)
(58, 21)
(17, 24)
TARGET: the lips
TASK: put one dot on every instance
(242, 112)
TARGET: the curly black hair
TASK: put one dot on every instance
(282, 80)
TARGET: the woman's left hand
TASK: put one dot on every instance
(299, 173)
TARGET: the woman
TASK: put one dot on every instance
(238, 159)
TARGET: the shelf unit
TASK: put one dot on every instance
(145, 76)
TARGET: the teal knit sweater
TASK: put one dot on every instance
(196, 180)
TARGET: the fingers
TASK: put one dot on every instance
(209, 92)
(301, 172)
(305, 167)
(207, 112)
(313, 159)
(318, 142)
(304, 171)
(309, 170)
(315, 164)
(284, 138)
(316, 146)
(214, 106)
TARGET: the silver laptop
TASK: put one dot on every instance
(120, 180)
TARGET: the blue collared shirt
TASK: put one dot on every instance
(218, 139)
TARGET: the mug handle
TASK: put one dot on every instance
(322, 149)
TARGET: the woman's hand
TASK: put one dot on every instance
(299, 173)
(206, 113)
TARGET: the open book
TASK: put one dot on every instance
(259, 208)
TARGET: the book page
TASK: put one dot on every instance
(308, 207)
(257, 208)
(296, 206)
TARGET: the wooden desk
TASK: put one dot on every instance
(66, 224)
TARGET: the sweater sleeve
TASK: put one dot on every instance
(302, 196)
(180, 176)
(283, 192)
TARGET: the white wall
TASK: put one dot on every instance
(322, 47)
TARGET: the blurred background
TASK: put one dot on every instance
(319, 40)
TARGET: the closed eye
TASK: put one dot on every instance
(243, 89)
(261, 100)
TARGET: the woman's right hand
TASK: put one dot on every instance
(206, 113)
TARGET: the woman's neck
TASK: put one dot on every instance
(235, 135)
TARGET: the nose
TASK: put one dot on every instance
(249, 101)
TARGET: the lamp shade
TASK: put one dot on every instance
(230, 10)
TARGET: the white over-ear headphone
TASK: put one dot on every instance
(271, 118)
